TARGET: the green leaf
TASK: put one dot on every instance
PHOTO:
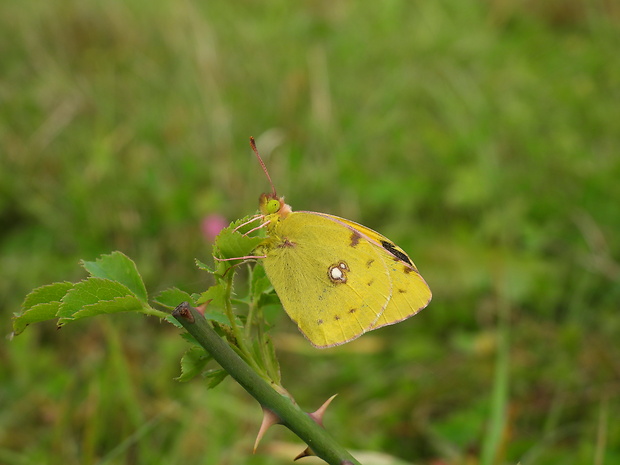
(219, 318)
(203, 266)
(233, 244)
(189, 338)
(214, 300)
(129, 303)
(118, 267)
(193, 363)
(40, 305)
(45, 294)
(173, 321)
(215, 377)
(36, 314)
(171, 298)
(215, 296)
(111, 295)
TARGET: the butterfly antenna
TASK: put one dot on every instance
(260, 160)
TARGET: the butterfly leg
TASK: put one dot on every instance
(251, 220)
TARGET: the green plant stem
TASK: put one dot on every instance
(231, 315)
(241, 345)
(289, 413)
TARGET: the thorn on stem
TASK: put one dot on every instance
(269, 419)
(307, 452)
(317, 416)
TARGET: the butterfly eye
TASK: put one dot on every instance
(273, 206)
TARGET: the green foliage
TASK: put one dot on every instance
(232, 241)
(115, 286)
(41, 304)
(118, 267)
(170, 298)
(193, 363)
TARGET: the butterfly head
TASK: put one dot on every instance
(271, 204)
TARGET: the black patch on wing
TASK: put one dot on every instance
(397, 253)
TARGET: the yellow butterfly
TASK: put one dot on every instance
(335, 278)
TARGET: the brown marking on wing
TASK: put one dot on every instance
(355, 238)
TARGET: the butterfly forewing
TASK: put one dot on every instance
(333, 284)
(409, 291)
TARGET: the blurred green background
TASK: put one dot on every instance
(481, 136)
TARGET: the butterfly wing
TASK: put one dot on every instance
(409, 291)
(332, 284)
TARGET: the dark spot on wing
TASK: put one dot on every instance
(319, 322)
(353, 310)
(286, 243)
(401, 291)
(370, 262)
(369, 283)
(355, 239)
(336, 317)
(397, 253)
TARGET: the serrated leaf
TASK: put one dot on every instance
(193, 363)
(35, 314)
(93, 291)
(244, 225)
(118, 267)
(215, 296)
(215, 377)
(45, 294)
(40, 305)
(191, 339)
(171, 298)
(203, 266)
(128, 303)
(233, 244)
(173, 321)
